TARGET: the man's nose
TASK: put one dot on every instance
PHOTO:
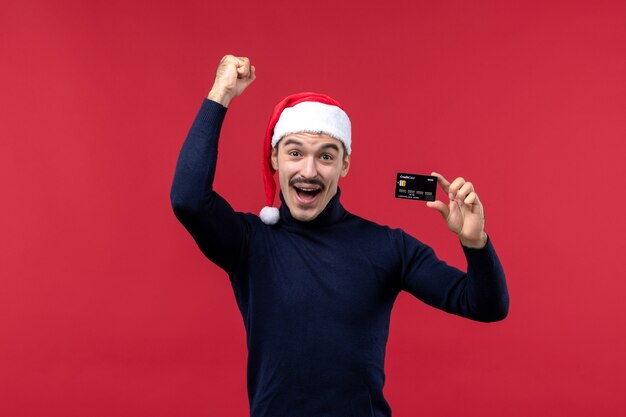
(309, 168)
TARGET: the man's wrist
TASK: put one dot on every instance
(475, 244)
(220, 96)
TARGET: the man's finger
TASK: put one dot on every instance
(440, 207)
(455, 186)
(234, 60)
(243, 71)
(465, 190)
(241, 61)
(246, 63)
(243, 66)
(472, 198)
(442, 181)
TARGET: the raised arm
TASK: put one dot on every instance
(481, 293)
(214, 225)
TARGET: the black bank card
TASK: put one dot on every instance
(416, 187)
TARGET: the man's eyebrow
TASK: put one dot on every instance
(330, 145)
(292, 142)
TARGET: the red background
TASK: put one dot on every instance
(107, 308)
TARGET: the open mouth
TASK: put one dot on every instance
(307, 193)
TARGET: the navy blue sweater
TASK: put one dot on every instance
(316, 296)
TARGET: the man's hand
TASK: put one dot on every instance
(233, 75)
(464, 213)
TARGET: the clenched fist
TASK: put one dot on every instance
(233, 75)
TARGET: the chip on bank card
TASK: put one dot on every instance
(416, 187)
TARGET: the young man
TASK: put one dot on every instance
(314, 283)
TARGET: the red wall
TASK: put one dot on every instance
(107, 308)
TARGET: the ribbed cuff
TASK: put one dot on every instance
(211, 115)
(482, 259)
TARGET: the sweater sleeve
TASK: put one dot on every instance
(215, 226)
(479, 294)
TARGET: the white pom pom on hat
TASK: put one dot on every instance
(301, 112)
(269, 215)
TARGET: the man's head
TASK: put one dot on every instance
(309, 166)
(308, 141)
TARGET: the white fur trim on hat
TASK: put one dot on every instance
(269, 215)
(311, 116)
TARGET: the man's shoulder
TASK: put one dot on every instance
(250, 219)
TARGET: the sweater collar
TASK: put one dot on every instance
(332, 213)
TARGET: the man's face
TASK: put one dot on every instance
(309, 166)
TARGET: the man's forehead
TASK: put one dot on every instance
(314, 139)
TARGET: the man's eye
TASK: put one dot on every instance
(327, 157)
(293, 153)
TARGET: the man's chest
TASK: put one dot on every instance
(339, 279)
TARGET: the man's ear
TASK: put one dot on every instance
(346, 166)
(274, 158)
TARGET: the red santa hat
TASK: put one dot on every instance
(301, 112)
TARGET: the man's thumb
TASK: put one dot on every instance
(440, 207)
